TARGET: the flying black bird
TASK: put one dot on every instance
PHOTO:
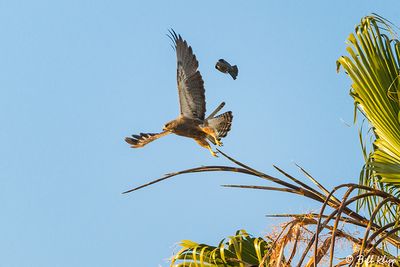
(225, 67)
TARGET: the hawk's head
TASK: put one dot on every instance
(169, 126)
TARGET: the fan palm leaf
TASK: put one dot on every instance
(373, 67)
(240, 250)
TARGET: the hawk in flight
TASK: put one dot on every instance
(191, 121)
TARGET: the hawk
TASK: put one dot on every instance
(191, 121)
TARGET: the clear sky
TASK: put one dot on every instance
(78, 76)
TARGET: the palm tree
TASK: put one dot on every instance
(318, 232)
(373, 66)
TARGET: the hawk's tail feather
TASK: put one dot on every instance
(221, 124)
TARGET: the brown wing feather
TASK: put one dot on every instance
(190, 83)
(143, 139)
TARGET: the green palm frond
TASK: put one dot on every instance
(373, 66)
(240, 250)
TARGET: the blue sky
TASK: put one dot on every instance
(76, 77)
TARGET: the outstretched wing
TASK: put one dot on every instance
(190, 83)
(143, 139)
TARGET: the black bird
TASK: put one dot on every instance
(225, 67)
